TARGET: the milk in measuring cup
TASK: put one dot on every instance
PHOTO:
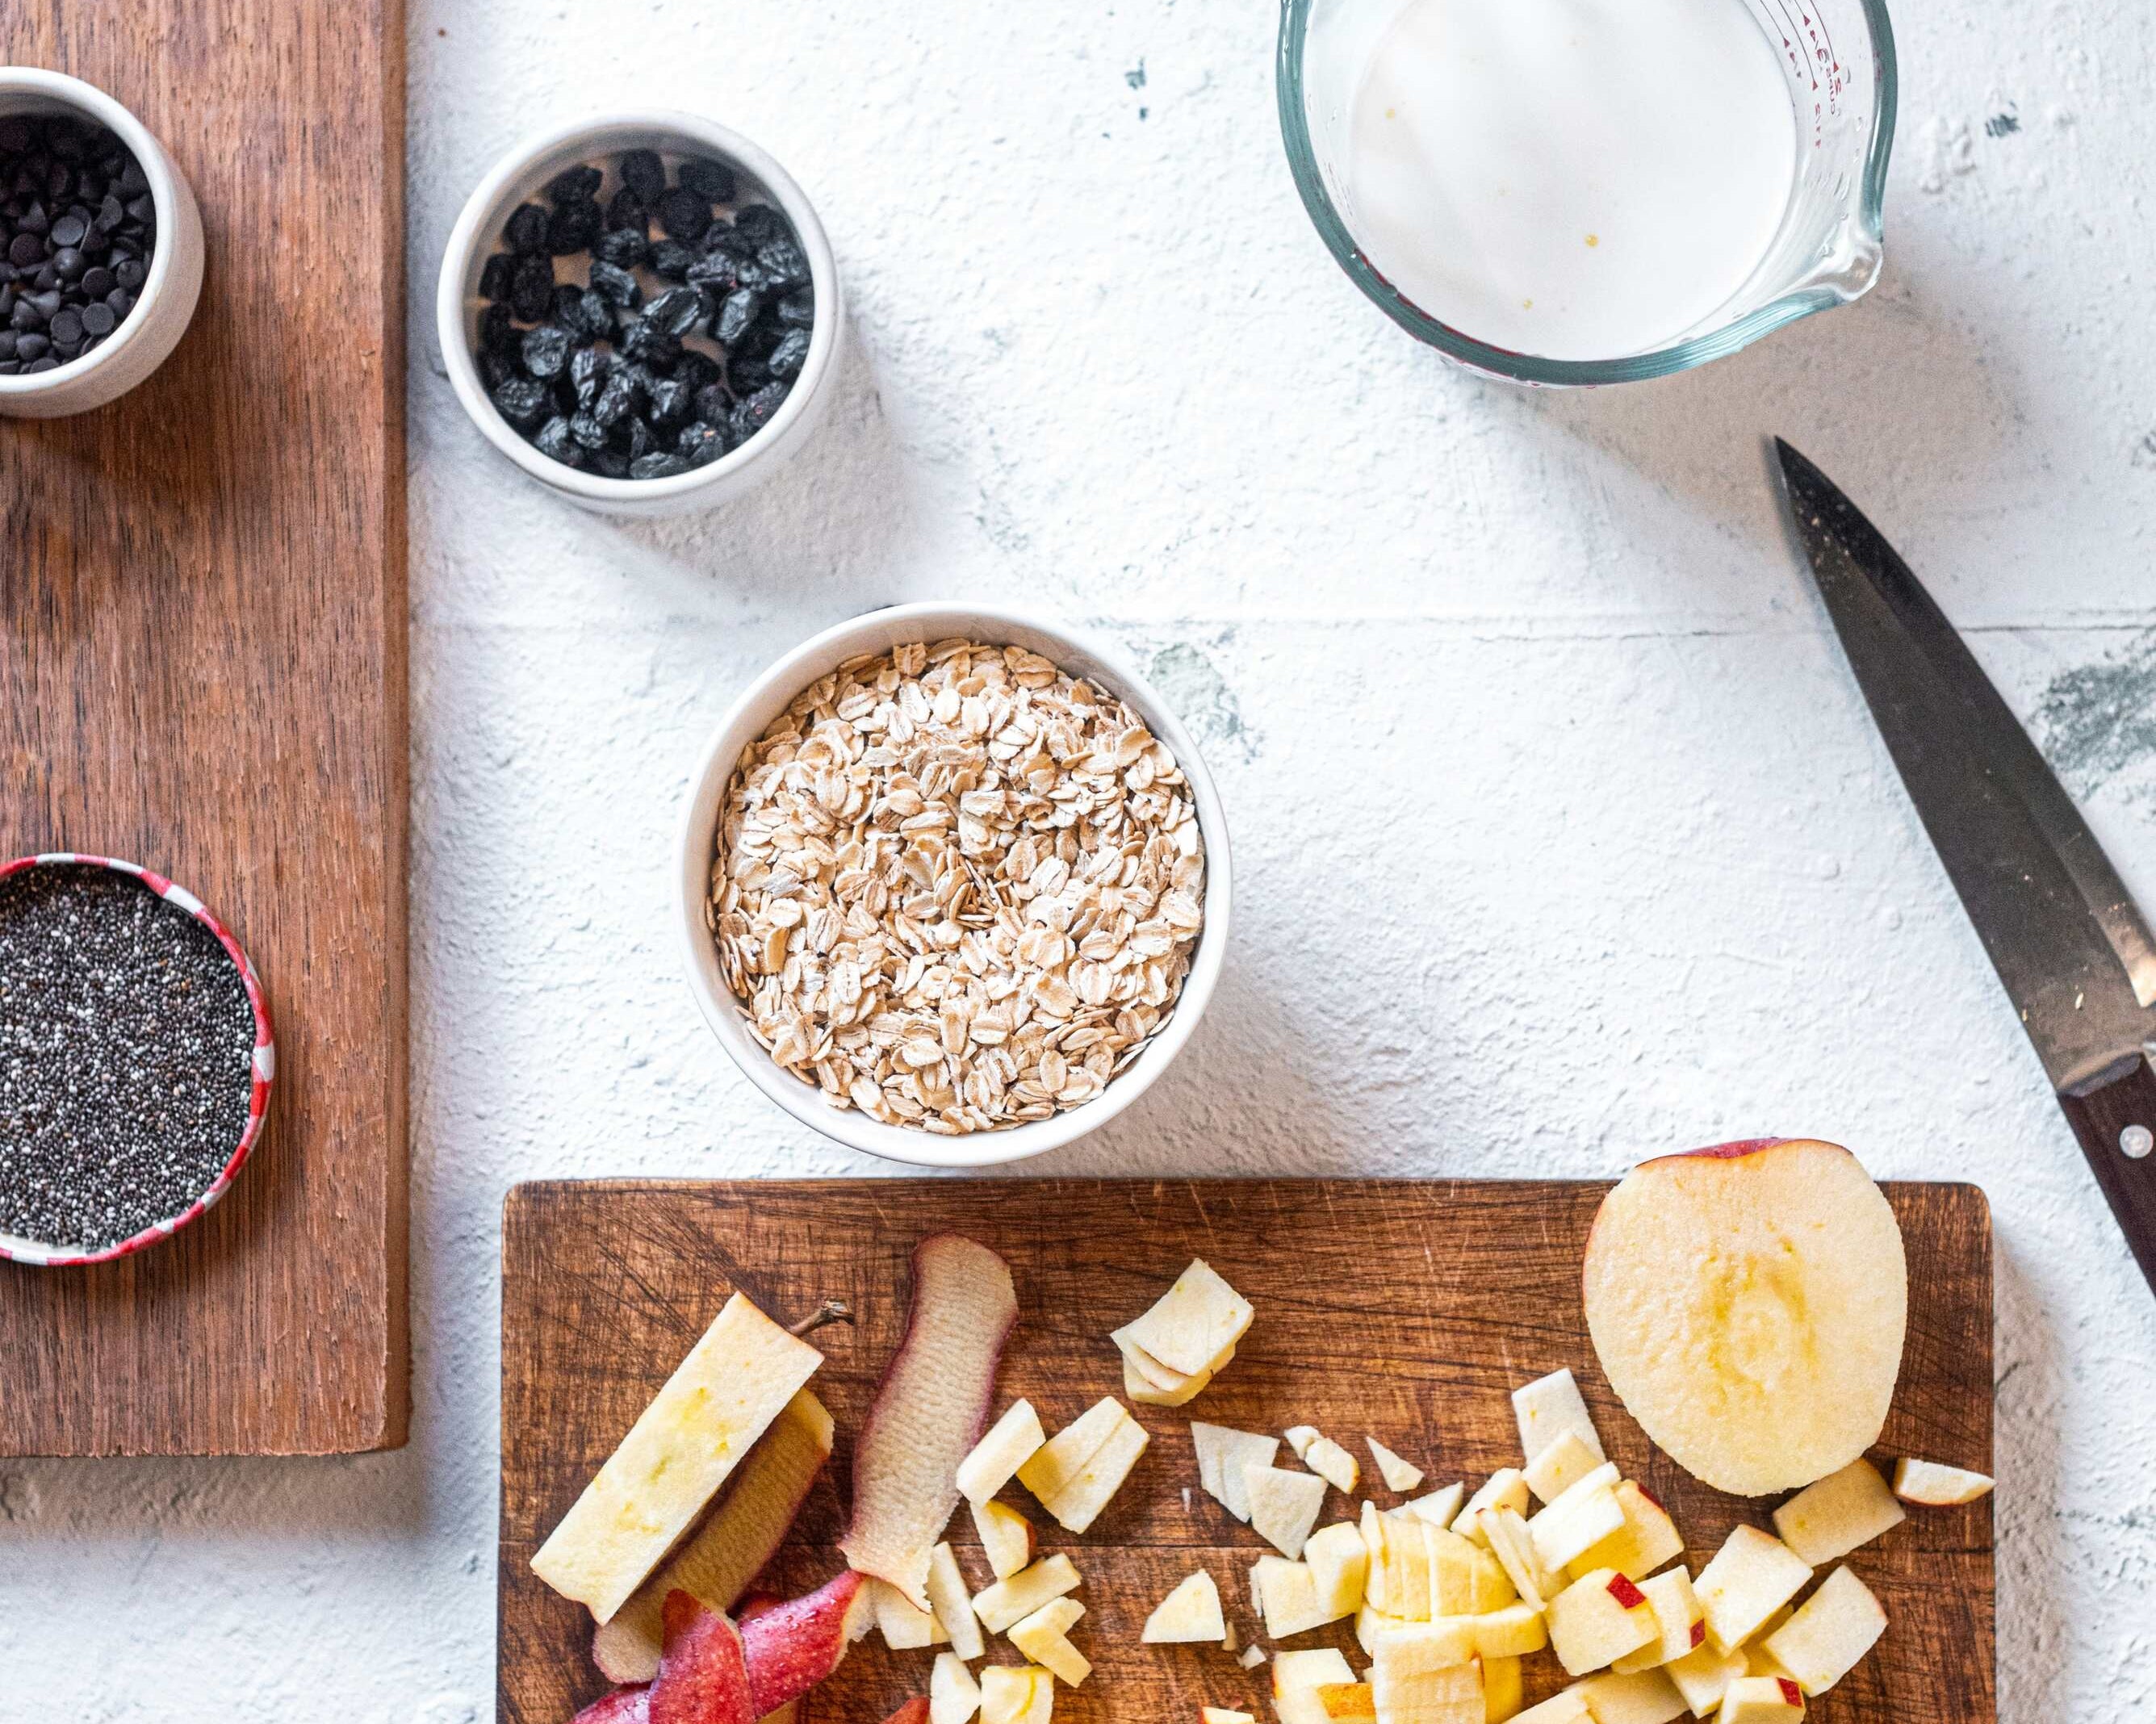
(1581, 179)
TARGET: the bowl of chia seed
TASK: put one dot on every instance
(135, 1058)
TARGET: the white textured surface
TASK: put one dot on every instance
(1564, 835)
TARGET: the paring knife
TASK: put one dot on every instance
(2075, 953)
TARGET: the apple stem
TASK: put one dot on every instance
(832, 1311)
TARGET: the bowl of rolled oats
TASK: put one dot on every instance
(954, 885)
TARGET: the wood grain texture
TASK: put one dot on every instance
(203, 669)
(1408, 1310)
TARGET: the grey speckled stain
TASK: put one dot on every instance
(2097, 719)
(1201, 697)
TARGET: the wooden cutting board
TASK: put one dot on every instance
(202, 670)
(1405, 1311)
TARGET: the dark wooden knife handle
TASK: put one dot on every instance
(2115, 1118)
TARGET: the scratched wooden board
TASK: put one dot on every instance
(203, 669)
(1407, 1311)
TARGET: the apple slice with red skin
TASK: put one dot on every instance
(703, 1674)
(1748, 1304)
(929, 1411)
(624, 1706)
(792, 1647)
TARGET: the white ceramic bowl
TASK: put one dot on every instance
(167, 304)
(769, 695)
(519, 178)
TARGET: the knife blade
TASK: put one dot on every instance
(2071, 947)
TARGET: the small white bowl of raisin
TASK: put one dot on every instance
(642, 311)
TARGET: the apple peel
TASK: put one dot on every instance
(792, 1647)
(929, 1411)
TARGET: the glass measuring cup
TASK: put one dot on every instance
(1837, 57)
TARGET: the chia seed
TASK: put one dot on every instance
(126, 1057)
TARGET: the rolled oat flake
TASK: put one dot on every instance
(126, 1057)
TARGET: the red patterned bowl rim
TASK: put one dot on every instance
(43, 1256)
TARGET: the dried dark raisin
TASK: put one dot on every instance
(697, 369)
(643, 172)
(616, 286)
(643, 339)
(787, 358)
(672, 260)
(575, 185)
(495, 368)
(617, 400)
(658, 465)
(712, 181)
(751, 415)
(587, 371)
(532, 295)
(700, 443)
(625, 248)
(632, 438)
(737, 313)
(522, 402)
(574, 227)
(591, 317)
(675, 310)
(627, 214)
(713, 403)
(784, 265)
(497, 329)
(667, 401)
(685, 215)
(717, 271)
(546, 349)
(526, 230)
(554, 442)
(493, 280)
(610, 463)
(797, 309)
(586, 429)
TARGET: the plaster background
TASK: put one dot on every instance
(1563, 833)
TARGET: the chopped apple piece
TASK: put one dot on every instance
(1287, 1595)
(1703, 1675)
(999, 1455)
(1398, 1581)
(1052, 1467)
(1222, 1714)
(951, 1599)
(1679, 1622)
(1370, 1623)
(929, 1411)
(953, 1696)
(1464, 1578)
(1043, 1637)
(792, 1646)
(1078, 1503)
(716, 1562)
(1338, 1563)
(1504, 1691)
(1398, 1474)
(1441, 1508)
(1006, 1537)
(1935, 1487)
(1758, 1661)
(1751, 1576)
(1190, 1613)
(1648, 1538)
(1762, 1700)
(1748, 1305)
(1346, 1702)
(1142, 1382)
(1563, 1708)
(1193, 1322)
(1297, 1678)
(1419, 1677)
(1284, 1505)
(1597, 1620)
(735, 1382)
(1511, 1631)
(1017, 1694)
(1222, 1455)
(1013, 1600)
(1645, 1697)
(1565, 1459)
(1513, 1546)
(1831, 1632)
(1324, 1457)
(1825, 1522)
(1550, 1406)
(1505, 1488)
(1252, 1657)
(903, 1628)
(1579, 1520)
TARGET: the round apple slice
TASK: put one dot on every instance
(1748, 1303)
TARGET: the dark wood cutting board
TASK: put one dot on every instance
(203, 669)
(1404, 1310)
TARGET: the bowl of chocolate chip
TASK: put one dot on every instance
(641, 312)
(136, 1059)
(100, 247)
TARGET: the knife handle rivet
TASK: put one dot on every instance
(2137, 1140)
